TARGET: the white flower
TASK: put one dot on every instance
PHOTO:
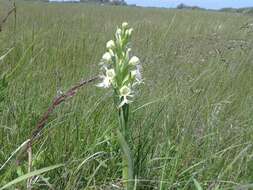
(111, 52)
(124, 25)
(106, 83)
(118, 32)
(117, 63)
(118, 36)
(107, 57)
(134, 61)
(125, 92)
(107, 78)
(137, 75)
(110, 73)
(110, 44)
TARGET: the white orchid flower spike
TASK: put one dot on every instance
(121, 70)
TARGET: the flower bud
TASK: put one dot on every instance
(110, 44)
(118, 32)
(118, 36)
(124, 25)
(134, 61)
(107, 57)
(128, 53)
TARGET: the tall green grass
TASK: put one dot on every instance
(191, 124)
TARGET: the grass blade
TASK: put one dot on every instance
(29, 175)
(197, 184)
(3, 56)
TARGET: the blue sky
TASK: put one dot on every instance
(211, 4)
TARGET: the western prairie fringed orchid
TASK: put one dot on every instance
(119, 68)
(121, 71)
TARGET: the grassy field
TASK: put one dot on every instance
(192, 119)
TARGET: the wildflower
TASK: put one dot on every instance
(105, 83)
(121, 71)
(118, 32)
(125, 93)
(124, 25)
(137, 75)
(110, 44)
(110, 73)
(134, 61)
(107, 78)
(107, 57)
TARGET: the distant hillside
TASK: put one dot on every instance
(247, 10)
(112, 2)
(184, 6)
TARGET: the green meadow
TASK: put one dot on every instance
(191, 124)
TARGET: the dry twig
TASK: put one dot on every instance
(12, 10)
(42, 122)
(57, 101)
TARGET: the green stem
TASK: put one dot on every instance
(127, 163)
